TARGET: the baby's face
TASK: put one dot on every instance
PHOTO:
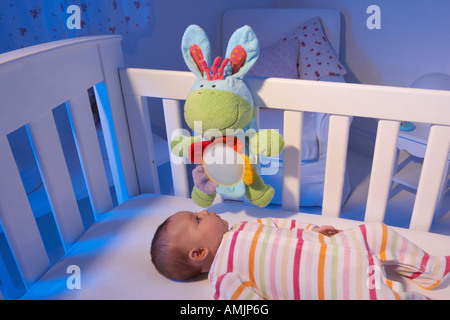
(199, 229)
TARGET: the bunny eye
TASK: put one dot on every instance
(201, 86)
(213, 85)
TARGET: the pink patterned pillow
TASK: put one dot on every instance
(279, 60)
(317, 58)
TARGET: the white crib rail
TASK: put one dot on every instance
(90, 155)
(431, 177)
(55, 73)
(293, 123)
(382, 170)
(172, 117)
(18, 221)
(34, 81)
(335, 164)
(389, 104)
(55, 175)
(137, 84)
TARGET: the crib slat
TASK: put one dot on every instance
(89, 152)
(124, 187)
(18, 221)
(55, 175)
(172, 118)
(436, 157)
(382, 170)
(142, 143)
(114, 122)
(292, 129)
(335, 165)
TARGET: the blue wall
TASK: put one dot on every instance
(414, 39)
(161, 49)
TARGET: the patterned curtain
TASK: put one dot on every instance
(25, 23)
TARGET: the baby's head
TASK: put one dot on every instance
(185, 244)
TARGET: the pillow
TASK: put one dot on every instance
(317, 59)
(279, 60)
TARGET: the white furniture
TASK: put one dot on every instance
(407, 172)
(112, 256)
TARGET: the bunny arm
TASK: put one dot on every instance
(266, 142)
(180, 145)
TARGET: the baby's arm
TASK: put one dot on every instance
(293, 224)
(234, 286)
(296, 224)
(286, 223)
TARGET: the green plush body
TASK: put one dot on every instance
(258, 192)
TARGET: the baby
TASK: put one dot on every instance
(288, 259)
(186, 243)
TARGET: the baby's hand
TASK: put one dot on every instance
(328, 231)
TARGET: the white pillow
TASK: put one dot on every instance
(317, 58)
(279, 60)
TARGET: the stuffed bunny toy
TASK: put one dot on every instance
(219, 108)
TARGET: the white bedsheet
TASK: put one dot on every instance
(114, 259)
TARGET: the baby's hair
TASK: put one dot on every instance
(169, 259)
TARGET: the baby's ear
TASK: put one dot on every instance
(243, 51)
(198, 254)
(195, 47)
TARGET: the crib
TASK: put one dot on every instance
(108, 258)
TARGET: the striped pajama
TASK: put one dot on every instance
(284, 259)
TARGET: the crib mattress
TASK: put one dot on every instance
(114, 261)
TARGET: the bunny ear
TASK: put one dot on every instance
(195, 47)
(243, 51)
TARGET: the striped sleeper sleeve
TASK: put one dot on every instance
(285, 259)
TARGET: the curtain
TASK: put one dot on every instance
(28, 22)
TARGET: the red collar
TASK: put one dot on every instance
(197, 148)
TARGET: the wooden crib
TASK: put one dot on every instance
(110, 258)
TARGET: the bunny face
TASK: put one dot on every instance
(212, 103)
(220, 100)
